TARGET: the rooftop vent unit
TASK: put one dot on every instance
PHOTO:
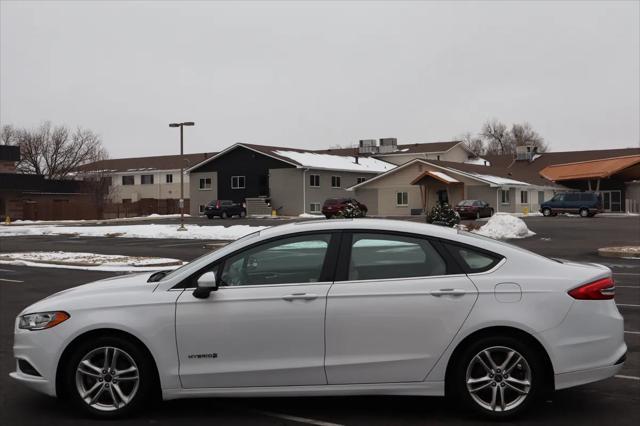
(388, 145)
(368, 146)
(525, 152)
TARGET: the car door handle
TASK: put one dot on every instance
(299, 296)
(448, 292)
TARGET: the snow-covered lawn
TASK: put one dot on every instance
(88, 261)
(135, 231)
(120, 219)
(502, 226)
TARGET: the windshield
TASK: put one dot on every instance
(178, 270)
(466, 203)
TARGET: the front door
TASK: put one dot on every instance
(395, 314)
(611, 201)
(264, 326)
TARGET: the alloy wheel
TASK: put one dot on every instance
(107, 378)
(498, 379)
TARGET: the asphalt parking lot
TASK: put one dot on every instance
(615, 400)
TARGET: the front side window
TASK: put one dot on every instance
(146, 179)
(402, 198)
(284, 261)
(205, 183)
(127, 180)
(504, 196)
(335, 182)
(237, 182)
(360, 179)
(314, 180)
(381, 256)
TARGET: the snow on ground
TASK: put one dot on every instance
(89, 261)
(503, 226)
(135, 231)
(311, 216)
(337, 162)
(120, 219)
(519, 214)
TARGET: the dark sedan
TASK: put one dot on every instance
(473, 209)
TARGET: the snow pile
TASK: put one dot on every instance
(89, 261)
(478, 161)
(119, 219)
(194, 232)
(503, 226)
(310, 216)
(336, 162)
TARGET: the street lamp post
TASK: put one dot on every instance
(181, 125)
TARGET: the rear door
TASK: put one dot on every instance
(399, 305)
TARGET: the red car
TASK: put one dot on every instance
(344, 207)
(473, 209)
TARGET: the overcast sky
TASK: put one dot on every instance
(311, 74)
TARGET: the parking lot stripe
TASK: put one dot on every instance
(6, 270)
(627, 305)
(620, 376)
(11, 281)
(298, 419)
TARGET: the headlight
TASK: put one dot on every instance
(42, 320)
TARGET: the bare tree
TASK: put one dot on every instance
(523, 134)
(8, 135)
(497, 137)
(57, 152)
(473, 143)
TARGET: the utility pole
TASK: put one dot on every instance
(181, 125)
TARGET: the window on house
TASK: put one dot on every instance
(314, 207)
(314, 180)
(201, 208)
(402, 198)
(169, 178)
(360, 180)
(437, 157)
(107, 181)
(205, 183)
(127, 180)
(504, 196)
(237, 182)
(146, 179)
(524, 197)
(335, 182)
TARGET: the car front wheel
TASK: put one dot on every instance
(108, 377)
(584, 212)
(498, 377)
(546, 212)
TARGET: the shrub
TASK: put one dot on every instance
(442, 214)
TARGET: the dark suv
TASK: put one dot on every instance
(586, 204)
(343, 207)
(224, 209)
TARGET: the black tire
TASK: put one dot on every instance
(465, 363)
(242, 214)
(584, 212)
(546, 212)
(224, 215)
(491, 213)
(146, 377)
(209, 216)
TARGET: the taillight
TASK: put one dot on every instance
(603, 289)
(218, 204)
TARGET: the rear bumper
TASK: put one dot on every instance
(576, 378)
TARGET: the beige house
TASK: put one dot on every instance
(418, 185)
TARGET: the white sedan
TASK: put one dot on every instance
(347, 307)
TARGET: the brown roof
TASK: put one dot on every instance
(412, 148)
(442, 177)
(135, 164)
(529, 171)
(592, 169)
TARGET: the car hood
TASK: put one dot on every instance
(97, 293)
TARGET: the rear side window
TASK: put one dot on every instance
(473, 260)
(586, 197)
(382, 256)
(571, 197)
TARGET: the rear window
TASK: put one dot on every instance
(466, 203)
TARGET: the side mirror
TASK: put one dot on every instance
(206, 284)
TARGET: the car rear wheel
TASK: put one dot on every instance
(209, 216)
(584, 212)
(498, 377)
(477, 215)
(108, 377)
(546, 212)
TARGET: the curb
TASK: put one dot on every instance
(626, 252)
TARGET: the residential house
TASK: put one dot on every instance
(295, 180)
(509, 184)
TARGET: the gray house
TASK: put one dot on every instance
(295, 180)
